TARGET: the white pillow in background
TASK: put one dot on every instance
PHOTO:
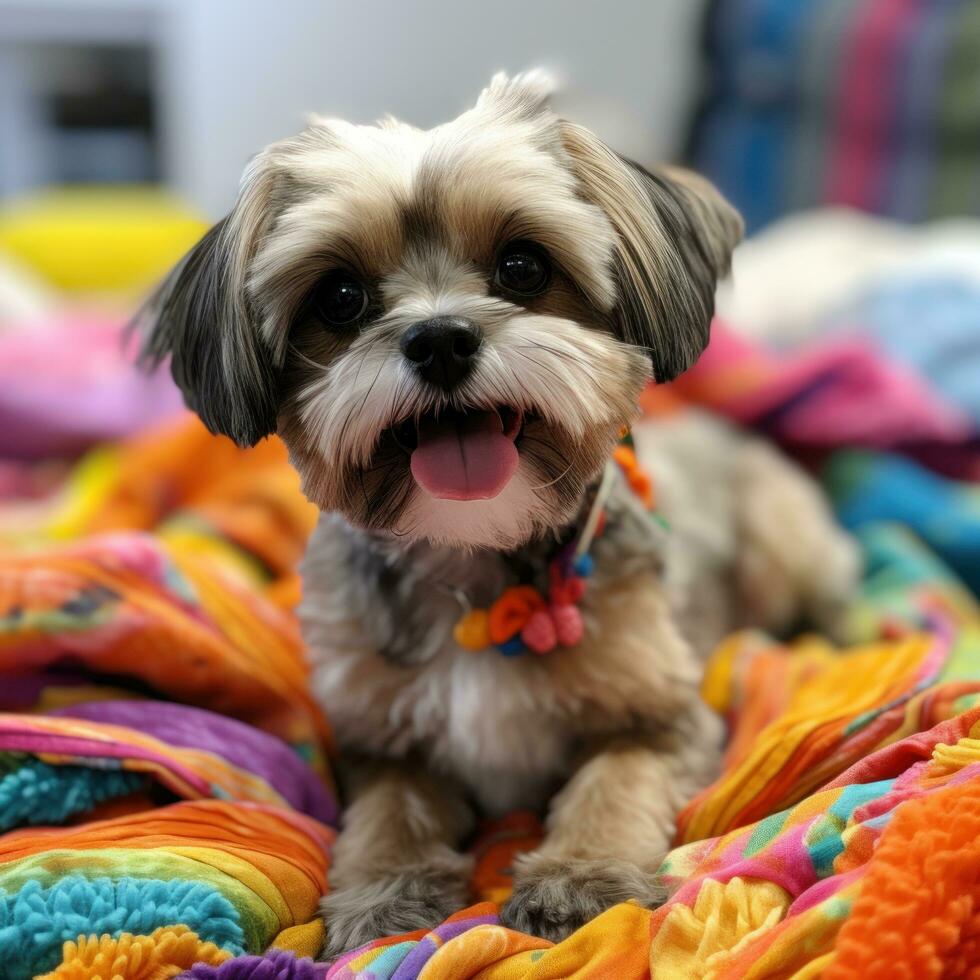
(790, 277)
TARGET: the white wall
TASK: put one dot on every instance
(241, 73)
(237, 74)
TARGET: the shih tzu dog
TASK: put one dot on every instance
(450, 330)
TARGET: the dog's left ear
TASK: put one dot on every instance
(675, 238)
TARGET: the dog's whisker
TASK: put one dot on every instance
(551, 483)
(564, 354)
(550, 370)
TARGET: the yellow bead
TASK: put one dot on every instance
(472, 632)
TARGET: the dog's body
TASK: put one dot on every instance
(469, 734)
(449, 330)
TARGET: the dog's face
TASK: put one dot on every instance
(448, 328)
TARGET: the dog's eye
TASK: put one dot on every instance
(523, 268)
(340, 299)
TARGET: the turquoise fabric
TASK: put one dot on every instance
(36, 921)
(32, 792)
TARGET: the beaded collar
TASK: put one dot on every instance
(544, 615)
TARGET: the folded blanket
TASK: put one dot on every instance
(236, 876)
(99, 750)
(930, 324)
(166, 804)
(823, 396)
(163, 775)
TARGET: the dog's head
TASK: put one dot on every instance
(449, 328)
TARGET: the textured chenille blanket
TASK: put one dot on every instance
(166, 806)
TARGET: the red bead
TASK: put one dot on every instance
(539, 634)
(569, 626)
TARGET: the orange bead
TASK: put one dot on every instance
(642, 486)
(636, 476)
(626, 459)
(511, 612)
(472, 632)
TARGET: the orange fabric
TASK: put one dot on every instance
(249, 495)
(920, 900)
(252, 669)
(263, 835)
(497, 845)
(201, 608)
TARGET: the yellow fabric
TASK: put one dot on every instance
(99, 239)
(164, 953)
(80, 499)
(612, 946)
(814, 969)
(719, 674)
(486, 951)
(807, 936)
(239, 869)
(950, 758)
(305, 939)
(696, 941)
(841, 688)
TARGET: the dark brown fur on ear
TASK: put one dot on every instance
(201, 317)
(676, 234)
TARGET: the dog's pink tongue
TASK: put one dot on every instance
(464, 457)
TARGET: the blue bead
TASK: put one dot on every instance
(512, 648)
(584, 565)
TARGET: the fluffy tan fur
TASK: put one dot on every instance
(611, 732)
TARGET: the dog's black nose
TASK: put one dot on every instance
(442, 349)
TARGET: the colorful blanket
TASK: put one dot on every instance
(165, 800)
(869, 103)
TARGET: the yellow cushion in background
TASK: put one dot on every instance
(99, 238)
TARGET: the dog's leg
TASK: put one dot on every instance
(792, 560)
(394, 867)
(609, 828)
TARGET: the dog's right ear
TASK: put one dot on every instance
(675, 239)
(201, 317)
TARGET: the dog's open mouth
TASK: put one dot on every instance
(467, 455)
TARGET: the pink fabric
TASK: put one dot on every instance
(831, 394)
(69, 382)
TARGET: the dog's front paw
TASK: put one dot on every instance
(414, 899)
(553, 897)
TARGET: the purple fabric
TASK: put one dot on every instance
(243, 746)
(53, 743)
(275, 965)
(22, 691)
(70, 382)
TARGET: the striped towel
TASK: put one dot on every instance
(868, 103)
